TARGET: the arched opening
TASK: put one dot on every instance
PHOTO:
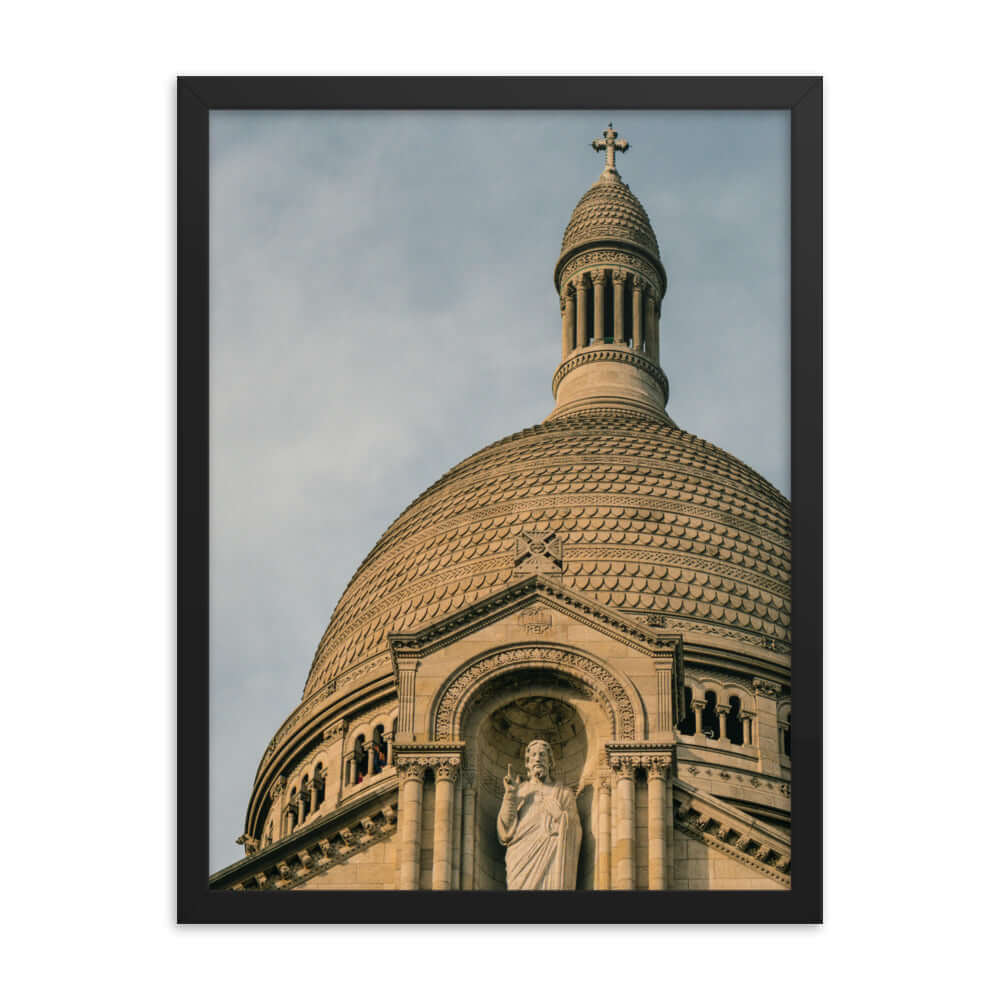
(379, 747)
(686, 728)
(710, 716)
(502, 739)
(360, 760)
(319, 784)
(734, 725)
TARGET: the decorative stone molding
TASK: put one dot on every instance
(277, 787)
(614, 258)
(448, 711)
(538, 552)
(250, 844)
(716, 823)
(609, 352)
(765, 688)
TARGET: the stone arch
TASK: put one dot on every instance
(613, 692)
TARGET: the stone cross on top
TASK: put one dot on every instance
(610, 143)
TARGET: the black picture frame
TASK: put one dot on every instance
(196, 97)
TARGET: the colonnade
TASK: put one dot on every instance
(454, 849)
(698, 706)
(634, 313)
(616, 868)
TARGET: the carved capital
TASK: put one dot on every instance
(623, 766)
(446, 770)
(618, 276)
(698, 703)
(410, 769)
(657, 766)
(598, 277)
(277, 787)
(336, 730)
(765, 688)
(747, 714)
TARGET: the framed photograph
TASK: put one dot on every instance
(492, 397)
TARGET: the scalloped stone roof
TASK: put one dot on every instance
(653, 520)
(609, 210)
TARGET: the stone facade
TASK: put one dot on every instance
(603, 581)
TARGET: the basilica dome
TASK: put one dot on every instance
(652, 521)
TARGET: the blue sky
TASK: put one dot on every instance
(382, 306)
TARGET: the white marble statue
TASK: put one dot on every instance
(539, 825)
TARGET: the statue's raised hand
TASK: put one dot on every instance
(510, 780)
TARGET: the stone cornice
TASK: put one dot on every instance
(327, 841)
(609, 352)
(611, 252)
(732, 831)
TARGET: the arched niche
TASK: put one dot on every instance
(502, 717)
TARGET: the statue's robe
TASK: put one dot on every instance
(543, 840)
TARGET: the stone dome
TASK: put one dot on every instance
(609, 211)
(653, 521)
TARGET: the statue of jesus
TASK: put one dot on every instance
(539, 825)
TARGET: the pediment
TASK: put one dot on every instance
(532, 600)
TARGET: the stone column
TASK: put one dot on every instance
(723, 712)
(636, 314)
(445, 773)
(599, 280)
(652, 331)
(567, 327)
(623, 852)
(456, 839)
(289, 818)
(352, 770)
(699, 707)
(618, 277)
(302, 805)
(388, 749)
(370, 751)
(469, 833)
(603, 867)
(581, 312)
(745, 718)
(570, 324)
(313, 795)
(411, 802)
(657, 779)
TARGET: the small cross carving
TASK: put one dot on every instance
(610, 144)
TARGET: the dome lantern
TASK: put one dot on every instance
(610, 281)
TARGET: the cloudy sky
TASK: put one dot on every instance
(382, 306)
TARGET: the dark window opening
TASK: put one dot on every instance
(734, 724)
(710, 717)
(686, 728)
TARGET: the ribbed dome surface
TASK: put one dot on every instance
(652, 519)
(609, 210)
